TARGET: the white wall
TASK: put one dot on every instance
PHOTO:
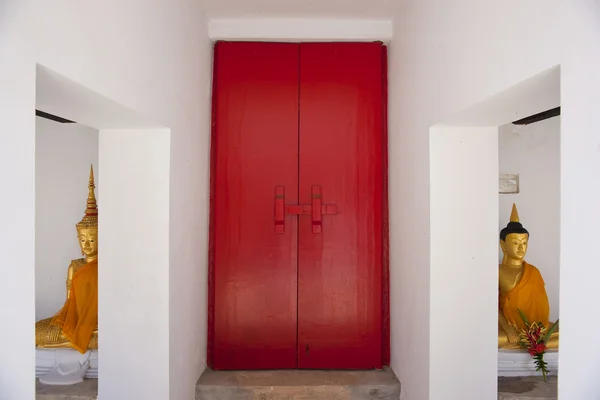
(580, 197)
(63, 154)
(17, 213)
(189, 202)
(533, 152)
(300, 29)
(443, 60)
(464, 273)
(333, 9)
(133, 295)
(154, 58)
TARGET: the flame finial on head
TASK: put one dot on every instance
(514, 225)
(90, 219)
(514, 215)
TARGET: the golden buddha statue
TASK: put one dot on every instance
(521, 287)
(75, 326)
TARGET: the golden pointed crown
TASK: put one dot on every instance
(514, 215)
(514, 225)
(90, 219)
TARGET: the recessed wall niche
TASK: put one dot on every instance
(533, 152)
(64, 153)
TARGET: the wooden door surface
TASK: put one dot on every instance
(296, 206)
(340, 268)
(255, 269)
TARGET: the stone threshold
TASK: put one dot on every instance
(298, 385)
(527, 388)
(86, 390)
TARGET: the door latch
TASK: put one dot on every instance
(316, 210)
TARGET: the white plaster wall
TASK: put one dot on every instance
(154, 58)
(300, 29)
(463, 261)
(442, 60)
(580, 197)
(133, 266)
(335, 9)
(17, 216)
(189, 202)
(533, 152)
(63, 155)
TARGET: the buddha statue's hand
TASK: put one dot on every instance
(513, 335)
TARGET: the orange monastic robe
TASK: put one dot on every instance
(79, 316)
(529, 296)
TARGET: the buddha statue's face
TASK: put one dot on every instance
(515, 245)
(88, 241)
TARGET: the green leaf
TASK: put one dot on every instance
(550, 331)
(523, 317)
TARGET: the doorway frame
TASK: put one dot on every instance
(385, 289)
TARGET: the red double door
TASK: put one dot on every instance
(297, 206)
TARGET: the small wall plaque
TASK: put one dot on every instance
(509, 183)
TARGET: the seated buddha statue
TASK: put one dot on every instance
(75, 326)
(521, 287)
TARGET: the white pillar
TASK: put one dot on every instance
(580, 203)
(17, 221)
(464, 262)
(133, 297)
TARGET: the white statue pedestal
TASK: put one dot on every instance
(520, 363)
(65, 366)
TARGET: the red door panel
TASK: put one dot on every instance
(255, 269)
(341, 144)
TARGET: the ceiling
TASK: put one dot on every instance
(301, 8)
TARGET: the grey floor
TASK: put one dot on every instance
(86, 390)
(527, 388)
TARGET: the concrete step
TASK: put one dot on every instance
(298, 385)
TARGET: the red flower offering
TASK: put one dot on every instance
(534, 338)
